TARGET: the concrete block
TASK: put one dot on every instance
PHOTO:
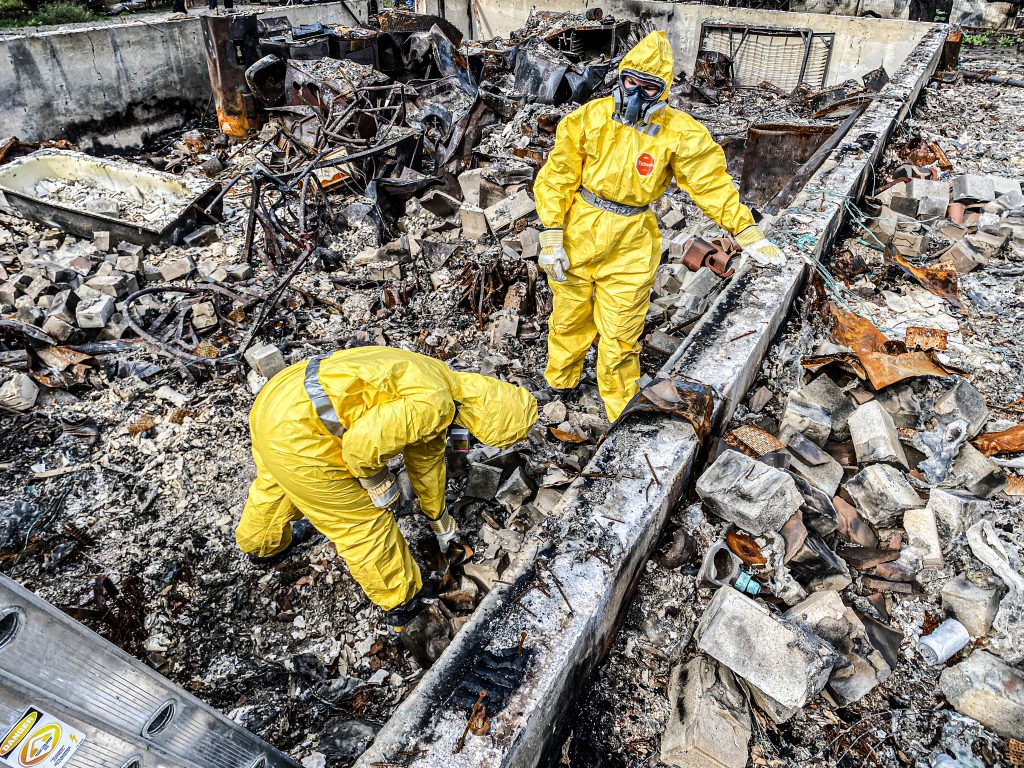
(882, 494)
(235, 272)
(1011, 200)
(203, 236)
(1003, 185)
(976, 473)
(131, 263)
(824, 392)
(710, 723)
(910, 242)
(826, 476)
(101, 240)
(30, 314)
(474, 222)
(802, 415)
(38, 287)
(529, 243)
(972, 605)
(860, 667)
(514, 491)
(63, 306)
(775, 655)
(956, 511)
(8, 293)
(923, 536)
(668, 279)
(265, 359)
(19, 392)
(204, 315)
(501, 215)
(874, 435)
(117, 284)
(754, 496)
(898, 189)
(478, 190)
(985, 688)
(131, 249)
(701, 283)
(987, 243)
(963, 256)
(116, 327)
(94, 312)
(175, 269)
(926, 189)
(963, 401)
(57, 328)
(439, 203)
(483, 481)
(905, 206)
(972, 188)
(663, 343)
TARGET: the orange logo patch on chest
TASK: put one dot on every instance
(645, 164)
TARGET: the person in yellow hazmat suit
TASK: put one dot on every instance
(323, 431)
(600, 245)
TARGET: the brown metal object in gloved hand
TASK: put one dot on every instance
(715, 254)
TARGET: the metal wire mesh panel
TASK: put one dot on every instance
(783, 56)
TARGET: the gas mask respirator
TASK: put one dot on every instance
(635, 104)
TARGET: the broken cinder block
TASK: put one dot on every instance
(483, 481)
(749, 493)
(265, 359)
(802, 415)
(710, 723)
(972, 605)
(874, 435)
(985, 688)
(94, 311)
(882, 493)
(502, 215)
(923, 536)
(474, 222)
(963, 401)
(782, 660)
(955, 511)
(19, 392)
(973, 188)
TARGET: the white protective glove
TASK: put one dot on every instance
(759, 248)
(383, 489)
(552, 257)
(445, 530)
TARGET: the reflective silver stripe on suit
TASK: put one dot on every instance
(607, 205)
(318, 396)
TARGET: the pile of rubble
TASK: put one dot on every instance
(848, 584)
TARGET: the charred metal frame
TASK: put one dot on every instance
(745, 31)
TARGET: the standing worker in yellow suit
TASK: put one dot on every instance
(323, 431)
(612, 158)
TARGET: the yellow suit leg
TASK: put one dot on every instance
(622, 297)
(266, 525)
(571, 329)
(620, 310)
(424, 461)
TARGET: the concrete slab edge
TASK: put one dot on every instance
(598, 538)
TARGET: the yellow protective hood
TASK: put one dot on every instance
(652, 56)
(495, 412)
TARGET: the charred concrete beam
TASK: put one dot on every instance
(571, 584)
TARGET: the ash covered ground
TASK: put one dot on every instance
(123, 483)
(905, 720)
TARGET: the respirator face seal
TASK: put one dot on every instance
(636, 99)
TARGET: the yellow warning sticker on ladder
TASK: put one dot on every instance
(39, 740)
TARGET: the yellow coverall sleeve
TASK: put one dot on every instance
(700, 170)
(414, 426)
(562, 174)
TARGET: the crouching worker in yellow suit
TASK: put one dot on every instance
(612, 158)
(322, 434)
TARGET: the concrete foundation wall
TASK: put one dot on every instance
(115, 84)
(861, 44)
